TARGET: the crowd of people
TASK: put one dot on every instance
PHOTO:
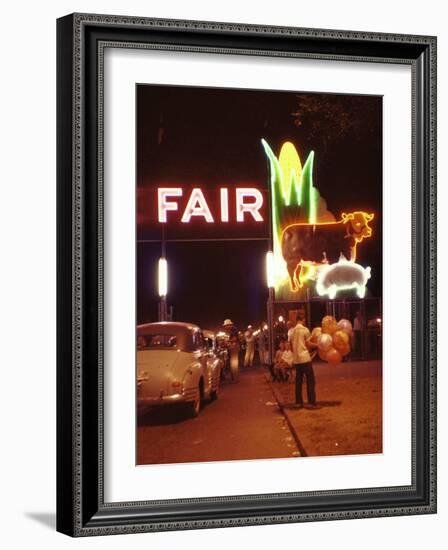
(292, 356)
(251, 345)
(283, 362)
(293, 350)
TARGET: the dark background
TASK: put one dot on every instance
(211, 137)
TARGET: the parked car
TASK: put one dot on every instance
(215, 351)
(176, 364)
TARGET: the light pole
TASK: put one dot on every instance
(163, 289)
(270, 305)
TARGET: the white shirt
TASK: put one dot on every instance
(298, 339)
(249, 337)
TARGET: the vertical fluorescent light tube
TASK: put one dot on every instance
(270, 269)
(163, 277)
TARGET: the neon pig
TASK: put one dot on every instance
(343, 275)
(248, 200)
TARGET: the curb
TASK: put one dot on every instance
(285, 413)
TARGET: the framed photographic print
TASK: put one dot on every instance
(246, 274)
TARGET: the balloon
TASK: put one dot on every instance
(341, 339)
(315, 334)
(322, 354)
(325, 342)
(343, 350)
(346, 326)
(333, 356)
(329, 324)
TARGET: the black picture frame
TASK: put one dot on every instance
(81, 510)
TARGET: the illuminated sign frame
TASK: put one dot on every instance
(198, 207)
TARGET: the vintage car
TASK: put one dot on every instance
(215, 350)
(176, 364)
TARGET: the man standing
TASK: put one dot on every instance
(229, 328)
(301, 342)
(262, 352)
(249, 339)
(233, 348)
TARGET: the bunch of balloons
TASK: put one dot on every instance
(332, 339)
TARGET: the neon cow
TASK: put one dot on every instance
(304, 244)
(342, 275)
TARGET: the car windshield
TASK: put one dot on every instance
(169, 336)
(156, 341)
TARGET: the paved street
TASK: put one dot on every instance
(255, 419)
(243, 423)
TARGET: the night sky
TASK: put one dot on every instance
(210, 138)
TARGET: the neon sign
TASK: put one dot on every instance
(306, 235)
(252, 208)
(343, 275)
(309, 245)
(292, 193)
(248, 202)
(197, 206)
(164, 205)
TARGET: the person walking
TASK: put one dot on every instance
(262, 350)
(300, 340)
(229, 328)
(249, 340)
(233, 348)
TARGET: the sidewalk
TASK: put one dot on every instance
(349, 418)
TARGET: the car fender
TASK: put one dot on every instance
(215, 373)
(192, 376)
